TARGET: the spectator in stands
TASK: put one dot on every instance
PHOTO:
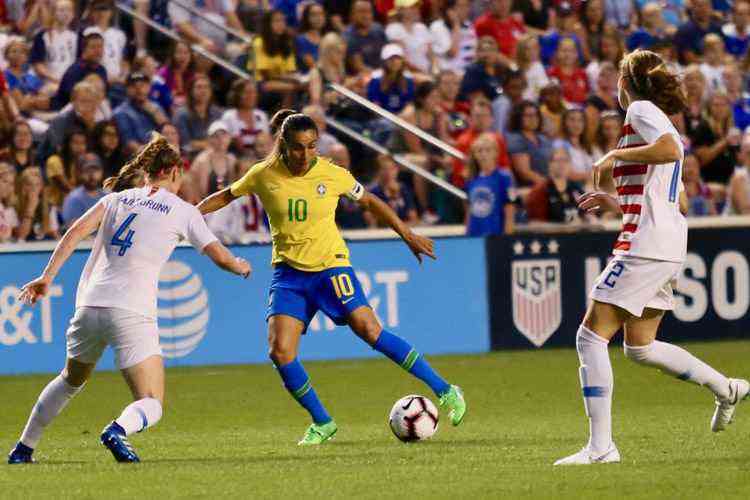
(138, 116)
(8, 215)
(513, 90)
(738, 193)
(31, 16)
(312, 26)
(529, 149)
(737, 33)
(394, 192)
(178, 72)
(621, 14)
(37, 220)
(593, 24)
(60, 169)
(54, 49)
(160, 93)
(275, 65)
(330, 68)
(714, 58)
(215, 167)
(607, 134)
(391, 88)
(575, 141)
(529, 63)
(407, 29)
(243, 119)
(716, 140)
(89, 61)
(566, 70)
(695, 90)
(20, 155)
(480, 121)
(700, 199)
(263, 145)
(365, 38)
(732, 82)
(485, 75)
(82, 116)
(448, 85)
(490, 208)
(103, 108)
(25, 87)
(325, 140)
(348, 213)
(568, 27)
(201, 28)
(115, 41)
(90, 176)
(555, 199)
(603, 99)
(108, 148)
(172, 134)
(194, 119)
(454, 41)
(689, 37)
(611, 50)
(506, 29)
(8, 109)
(553, 107)
(653, 29)
(536, 15)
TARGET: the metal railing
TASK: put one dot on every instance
(333, 123)
(196, 12)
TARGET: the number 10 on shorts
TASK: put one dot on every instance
(342, 285)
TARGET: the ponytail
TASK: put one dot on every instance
(650, 79)
(153, 159)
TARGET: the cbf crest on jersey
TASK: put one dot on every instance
(321, 189)
(536, 291)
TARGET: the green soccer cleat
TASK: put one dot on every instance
(453, 402)
(318, 433)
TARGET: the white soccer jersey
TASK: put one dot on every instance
(61, 48)
(649, 195)
(115, 42)
(138, 233)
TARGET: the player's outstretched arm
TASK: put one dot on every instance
(223, 258)
(419, 245)
(80, 229)
(664, 150)
(216, 201)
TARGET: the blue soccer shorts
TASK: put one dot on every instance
(300, 294)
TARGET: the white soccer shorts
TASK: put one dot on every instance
(133, 337)
(634, 283)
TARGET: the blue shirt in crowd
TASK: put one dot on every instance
(305, 47)
(27, 83)
(402, 204)
(133, 123)
(77, 203)
(395, 98)
(488, 195)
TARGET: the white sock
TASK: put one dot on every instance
(597, 383)
(680, 363)
(50, 403)
(140, 415)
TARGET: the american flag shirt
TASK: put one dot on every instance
(649, 195)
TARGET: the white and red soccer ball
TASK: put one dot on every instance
(413, 418)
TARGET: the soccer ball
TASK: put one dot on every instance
(413, 418)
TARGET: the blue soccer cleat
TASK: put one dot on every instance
(21, 454)
(114, 439)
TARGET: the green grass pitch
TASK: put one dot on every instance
(231, 432)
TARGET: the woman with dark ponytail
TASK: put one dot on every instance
(137, 230)
(635, 289)
(300, 192)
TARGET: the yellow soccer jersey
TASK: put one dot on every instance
(302, 210)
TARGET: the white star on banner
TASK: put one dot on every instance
(535, 247)
(553, 246)
(518, 248)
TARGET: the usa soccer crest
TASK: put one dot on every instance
(536, 292)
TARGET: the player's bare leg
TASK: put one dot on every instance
(642, 347)
(365, 324)
(146, 383)
(601, 322)
(284, 333)
(52, 400)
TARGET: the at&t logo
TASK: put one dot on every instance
(183, 309)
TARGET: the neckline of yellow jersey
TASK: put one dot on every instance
(286, 169)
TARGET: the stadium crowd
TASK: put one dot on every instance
(525, 89)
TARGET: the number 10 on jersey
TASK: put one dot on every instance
(297, 210)
(119, 241)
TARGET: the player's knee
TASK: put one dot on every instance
(638, 354)
(369, 331)
(280, 354)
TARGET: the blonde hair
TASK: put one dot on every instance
(720, 128)
(486, 138)
(648, 76)
(42, 211)
(154, 158)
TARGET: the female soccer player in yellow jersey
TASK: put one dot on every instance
(300, 192)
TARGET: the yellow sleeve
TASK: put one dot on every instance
(262, 61)
(247, 184)
(346, 185)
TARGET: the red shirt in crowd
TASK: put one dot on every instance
(463, 144)
(574, 85)
(506, 31)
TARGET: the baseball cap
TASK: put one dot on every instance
(217, 126)
(92, 31)
(136, 76)
(405, 3)
(391, 50)
(91, 161)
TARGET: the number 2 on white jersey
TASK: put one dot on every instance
(127, 242)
